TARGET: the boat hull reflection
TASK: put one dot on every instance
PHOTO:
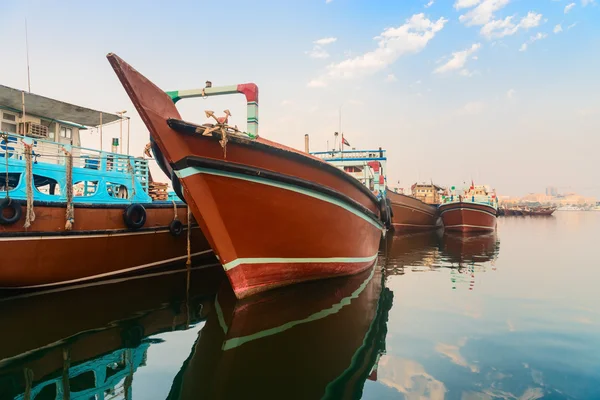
(313, 340)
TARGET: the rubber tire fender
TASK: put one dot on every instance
(176, 228)
(130, 213)
(8, 203)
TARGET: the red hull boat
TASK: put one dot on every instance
(273, 215)
(468, 217)
(410, 214)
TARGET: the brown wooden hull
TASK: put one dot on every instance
(99, 246)
(468, 217)
(410, 214)
(273, 215)
(324, 345)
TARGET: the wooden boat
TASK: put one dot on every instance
(273, 215)
(542, 211)
(90, 214)
(474, 211)
(325, 345)
(96, 331)
(411, 214)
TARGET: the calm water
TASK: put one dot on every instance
(515, 315)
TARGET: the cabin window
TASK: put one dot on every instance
(85, 188)
(8, 122)
(117, 190)
(13, 181)
(66, 132)
(46, 185)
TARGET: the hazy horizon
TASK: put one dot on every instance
(502, 92)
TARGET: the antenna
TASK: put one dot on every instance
(27, 50)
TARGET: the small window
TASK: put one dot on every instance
(66, 132)
(85, 188)
(117, 190)
(46, 185)
(13, 181)
(9, 117)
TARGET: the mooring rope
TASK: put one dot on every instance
(189, 234)
(29, 213)
(28, 383)
(70, 214)
(175, 216)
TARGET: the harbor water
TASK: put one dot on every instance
(509, 315)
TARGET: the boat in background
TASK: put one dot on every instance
(411, 214)
(474, 210)
(274, 215)
(70, 214)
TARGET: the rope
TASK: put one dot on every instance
(189, 241)
(5, 137)
(175, 216)
(29, 214)
(70, 215)
(28, 383)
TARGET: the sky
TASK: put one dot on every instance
(504, 92)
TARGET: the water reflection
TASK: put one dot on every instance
(81, 342)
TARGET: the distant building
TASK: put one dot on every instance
(427, 193)
(551, 191)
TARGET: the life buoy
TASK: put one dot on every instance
(8, 204)
(176, 228)
(134, 216)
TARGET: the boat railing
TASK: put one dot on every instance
(350, 154)
(46, 151)
(469, 199)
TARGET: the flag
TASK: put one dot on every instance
(472, 184)
(345, 142)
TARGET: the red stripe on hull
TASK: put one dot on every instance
(468, 217)
(411, 214)
(248, 279)
(243, 219)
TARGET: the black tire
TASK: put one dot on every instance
(134, 216)
(176, 228)
(8, 204)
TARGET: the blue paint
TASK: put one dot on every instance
(101, 173)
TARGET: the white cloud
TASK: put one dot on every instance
(586, 2)
(506, 27)
(318, 52)
(391, 78)
(315, 83)
(465, 4)
(429, 4)
(472, 108)
(325, 41)
(458, 60)
(573, 25)
(392, 43)
(569, 7)
(532, 39)
(328, 1)
(511, 93)
(557, 28)
(483, 13)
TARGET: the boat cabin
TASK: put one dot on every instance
(51, 128)
(367, 166)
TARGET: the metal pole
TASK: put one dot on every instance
(128, 123)
(100, 127)
(27, 49)
(121, 135)
(306, 143)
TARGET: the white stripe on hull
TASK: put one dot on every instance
(487, 228)
(100, 276)
(90, 236)
(189, 171)
(235, 263)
